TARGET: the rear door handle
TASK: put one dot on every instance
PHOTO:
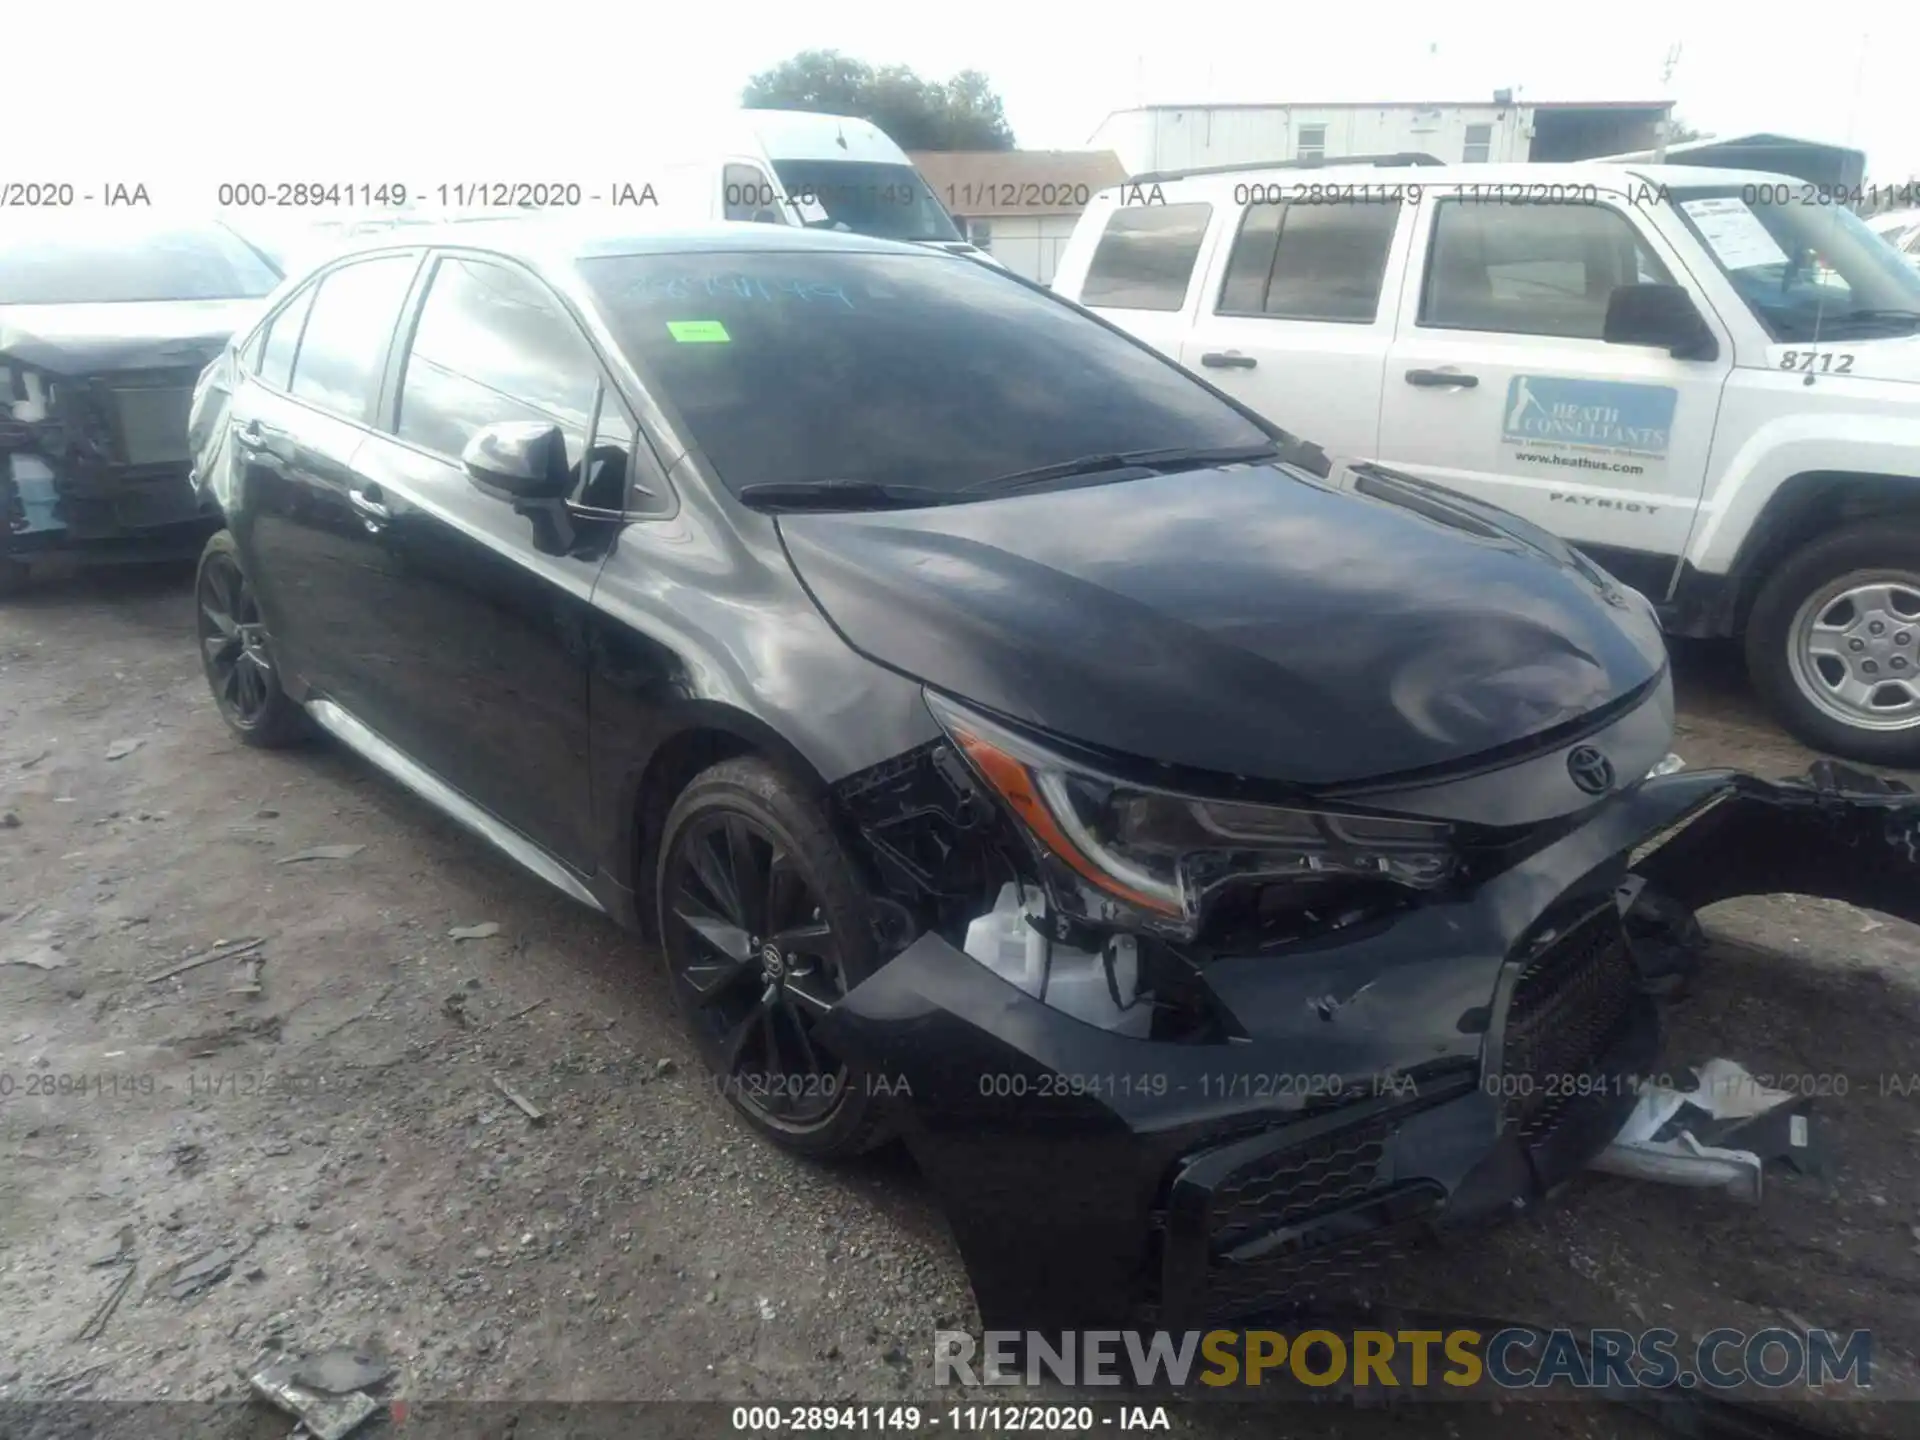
(1443, 379)
(251, 433)
(1227, 360)
(374, 513)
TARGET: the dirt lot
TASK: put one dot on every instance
(333, 1152)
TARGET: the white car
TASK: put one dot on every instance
(1712, 388)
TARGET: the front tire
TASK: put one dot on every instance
(237, 654)
(1833, 643)
(765, 924)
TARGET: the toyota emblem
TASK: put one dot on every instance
(1590, 770)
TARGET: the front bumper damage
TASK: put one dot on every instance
(1421, 1076)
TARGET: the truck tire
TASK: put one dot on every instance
(1833, 642)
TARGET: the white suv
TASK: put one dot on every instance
(1709, 380)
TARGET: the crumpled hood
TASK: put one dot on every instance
(1243, 621)
(78, 340)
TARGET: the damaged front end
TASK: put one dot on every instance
(1170, 1059)
(94, 453)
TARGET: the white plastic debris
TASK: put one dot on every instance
(1658, 1141)
(1099, 987)
(1667, 766)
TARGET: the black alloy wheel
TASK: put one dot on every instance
(235, 651)
(760, 918)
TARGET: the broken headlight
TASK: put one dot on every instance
(1120, 853)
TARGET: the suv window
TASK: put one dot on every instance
(747, 191)
(283, 339)
(492, 345)
(1309, 262)
(898, 369)
(71, 258)
(344, 344)
(1543, 268)
(1145, 257)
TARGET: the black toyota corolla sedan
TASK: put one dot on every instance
(1215, 864)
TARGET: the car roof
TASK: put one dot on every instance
(544, 240)
(1384, 179)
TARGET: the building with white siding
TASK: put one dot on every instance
(1185, 137)
(1019, 205)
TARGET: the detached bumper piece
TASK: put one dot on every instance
(1415, 1077)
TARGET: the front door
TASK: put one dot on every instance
(1498, 383)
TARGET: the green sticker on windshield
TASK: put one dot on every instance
(699, 332)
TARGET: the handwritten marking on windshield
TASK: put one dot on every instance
(744, 287)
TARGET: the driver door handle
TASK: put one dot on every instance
(367, 500)
(1455, 379)
(1227, 360)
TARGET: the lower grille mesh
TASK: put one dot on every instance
(1569, 1007)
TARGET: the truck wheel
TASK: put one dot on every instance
(1833, 643)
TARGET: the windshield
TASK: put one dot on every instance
(1806, 271)
(915, 370)
(123, 265)
(867, 198)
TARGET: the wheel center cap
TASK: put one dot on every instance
(772, 962)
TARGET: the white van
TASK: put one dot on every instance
(794, 167)
(1708, 380)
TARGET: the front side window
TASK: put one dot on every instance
(62, 263)
(283, 339)
(1534, 269)
(1805, 270)
(895, 369)
(1310, 262)
(1145, 257)
(1479, 144)
(492, 345)
(344, 344)
(865, 197)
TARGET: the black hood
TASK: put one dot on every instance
(94, 339)
(1243, 621)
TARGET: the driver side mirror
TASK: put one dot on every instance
(519, 460)
(1659, 315)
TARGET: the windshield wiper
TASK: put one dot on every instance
(840, 495)
(1167, 459)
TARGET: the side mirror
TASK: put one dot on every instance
(519, 460)
(1659, 315)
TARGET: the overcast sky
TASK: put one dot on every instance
(350, 90)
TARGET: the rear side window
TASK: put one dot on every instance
(345, 341)
(1145, 257)
(1310, 262)
(493, 345)
(283, 339)
(1534, 269)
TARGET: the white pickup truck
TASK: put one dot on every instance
(1708, 380)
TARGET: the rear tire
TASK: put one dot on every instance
(764, 924)
(1833, 643)
(237, 655)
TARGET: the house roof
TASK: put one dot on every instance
(983, 184)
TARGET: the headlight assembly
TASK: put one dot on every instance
(1126, 854)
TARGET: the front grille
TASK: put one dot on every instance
(1285, 1187)
(152, 422)
(1569, 1006)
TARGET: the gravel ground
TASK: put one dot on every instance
(307, 1143)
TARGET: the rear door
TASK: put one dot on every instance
(1499, 384)
(1291, 320)
(295, 437)
(489, 688)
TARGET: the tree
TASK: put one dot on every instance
(964, 113)
(1679, 132)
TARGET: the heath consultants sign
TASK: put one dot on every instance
(1587, 424)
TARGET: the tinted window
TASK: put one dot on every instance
(1309, 262)
(866, 198)
(283, 339)
(908, 369)
(345, 342)
(1534, 269)
(1145, 257)
(493, 345)
(57, 263)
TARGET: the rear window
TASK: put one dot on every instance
(1145, 257)
(114, 264)
(901, 369)
(1310, 262)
